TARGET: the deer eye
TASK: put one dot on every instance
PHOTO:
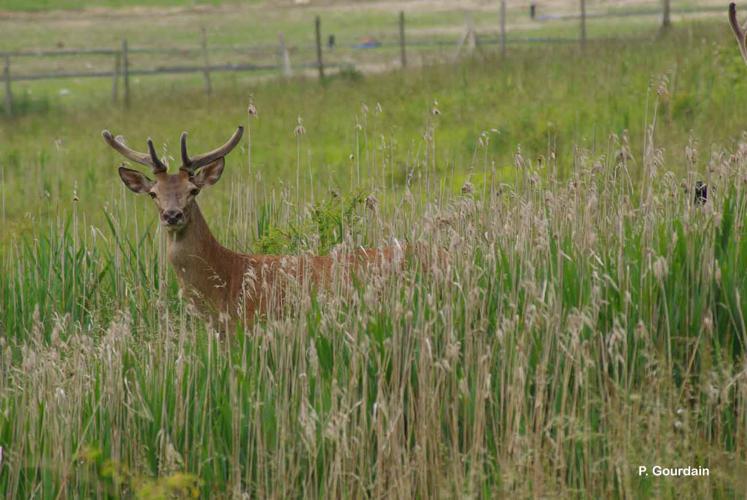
(152, 194)
(194, 191)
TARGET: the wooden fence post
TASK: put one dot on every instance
(115, 78)
(503, 28)
(8, 92)
(126, 73)
(666, 21)
(583, 23)
(206, 63)
(319, 62)
(469, 38)
(402, 52)
(284, 62)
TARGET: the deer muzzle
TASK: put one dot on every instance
(172, 217)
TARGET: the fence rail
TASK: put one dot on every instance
(122, 68)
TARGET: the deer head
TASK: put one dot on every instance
(173, 194)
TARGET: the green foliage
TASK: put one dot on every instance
(120, 479)
(349, 73)
(24, 105)
(324, 226)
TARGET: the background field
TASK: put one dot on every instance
(590, 319)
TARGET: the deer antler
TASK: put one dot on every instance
(738, 31)
(149, 160)
(191, 165)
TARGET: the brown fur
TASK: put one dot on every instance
(220, 280)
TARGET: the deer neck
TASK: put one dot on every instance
(203, 266)
(194, 240)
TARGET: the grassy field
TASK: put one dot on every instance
(257, 25)
(589, 321)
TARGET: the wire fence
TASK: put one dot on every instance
(395, 48)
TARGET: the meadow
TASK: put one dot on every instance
(590, 318)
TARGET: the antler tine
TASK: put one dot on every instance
(149, 160)
(738, 31)
(158, 165)
(192, 164)
(186, 162)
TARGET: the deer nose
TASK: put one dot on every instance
(173, 216)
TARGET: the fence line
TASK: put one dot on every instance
(122, 68)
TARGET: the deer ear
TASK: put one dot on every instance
(209, 175)
(136, 181)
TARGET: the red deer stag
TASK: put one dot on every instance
(224, 285)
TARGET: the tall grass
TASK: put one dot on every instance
(584, 324)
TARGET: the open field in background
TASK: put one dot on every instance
(539, 101)
(44, 6)
(591, 318)
(247, 33)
